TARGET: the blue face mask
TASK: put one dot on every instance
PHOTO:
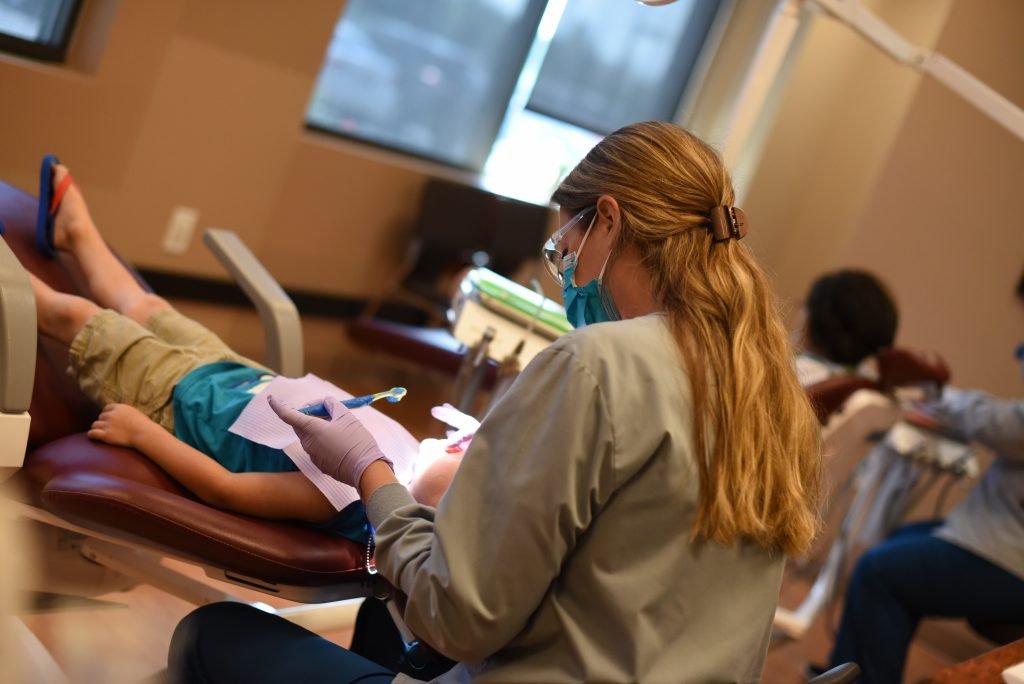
(590, 303)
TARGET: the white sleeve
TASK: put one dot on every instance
(810, 371)
(539, 469)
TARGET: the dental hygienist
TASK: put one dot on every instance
(623, 512)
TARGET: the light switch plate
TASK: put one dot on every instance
(180, 230)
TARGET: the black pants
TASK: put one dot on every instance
(234, 642)
(223, 643)
(909, 576)
(377, 638)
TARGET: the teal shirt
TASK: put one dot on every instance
(207, 402)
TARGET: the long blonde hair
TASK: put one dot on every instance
(756, 437)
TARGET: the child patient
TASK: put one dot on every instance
(169, 387)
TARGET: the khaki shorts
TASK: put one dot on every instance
(116, 360)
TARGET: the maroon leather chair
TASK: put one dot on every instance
(829, 395)
(851, 426)
(897, 367)
(432, 347)
(119, 496)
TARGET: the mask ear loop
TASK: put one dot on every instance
(604, 291)
(606, 295)
(572, 280)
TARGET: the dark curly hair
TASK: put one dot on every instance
(850, 316)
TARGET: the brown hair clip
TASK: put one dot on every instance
(728, 222)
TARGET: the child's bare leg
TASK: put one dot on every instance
(111, 284)
(60, 315)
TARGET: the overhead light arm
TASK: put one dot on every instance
(855, 15)
(860, 19)
(948, 73)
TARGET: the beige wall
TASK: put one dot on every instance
(839, 113)
(198, 103)
(871, 165)
(202, 104)
(940, 223)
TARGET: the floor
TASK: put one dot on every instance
(124, 638)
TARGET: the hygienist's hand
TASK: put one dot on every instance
(341, 447)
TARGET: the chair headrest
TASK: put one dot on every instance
(898, 367)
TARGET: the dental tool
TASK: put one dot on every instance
(392, 395)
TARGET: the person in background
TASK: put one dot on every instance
(849, 315)
(624, 511)
(970, 565)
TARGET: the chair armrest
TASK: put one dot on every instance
(17, 358)
(828, 395)
(281, 325)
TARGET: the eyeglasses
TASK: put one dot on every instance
(552, 256)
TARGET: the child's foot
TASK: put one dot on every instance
(72, 224)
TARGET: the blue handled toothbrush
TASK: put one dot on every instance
(393, 395)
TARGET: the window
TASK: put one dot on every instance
(40, 29)
(517, 90)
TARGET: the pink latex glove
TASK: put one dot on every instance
(341, 447)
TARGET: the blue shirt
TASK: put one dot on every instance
(208, 400)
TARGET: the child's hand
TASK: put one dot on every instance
(119, 424)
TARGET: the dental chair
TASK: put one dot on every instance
(112, 511)
(877, 466)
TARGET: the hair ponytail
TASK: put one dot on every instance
(757, 442)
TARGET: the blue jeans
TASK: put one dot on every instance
(233, 642)
(909, 576)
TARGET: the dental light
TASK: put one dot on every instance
(855, 15)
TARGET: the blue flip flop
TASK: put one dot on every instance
(49, 201)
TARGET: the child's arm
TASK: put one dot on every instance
(288, 496)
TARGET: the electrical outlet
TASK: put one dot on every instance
(180, 230)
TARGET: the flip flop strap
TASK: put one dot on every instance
(58, 193)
